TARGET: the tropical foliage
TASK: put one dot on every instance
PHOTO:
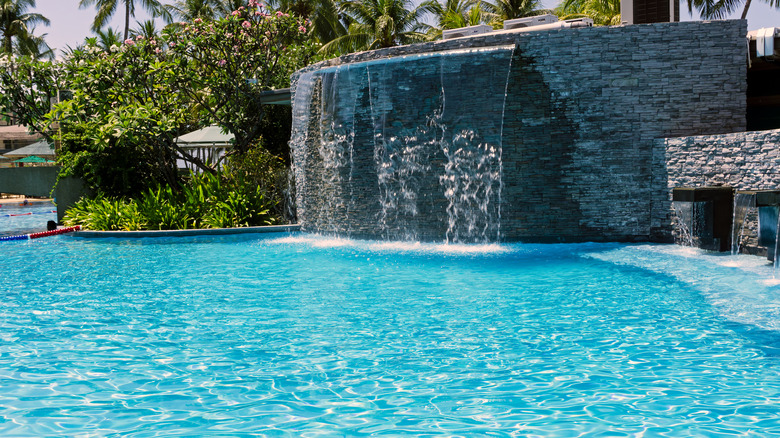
(603, 12)
(125, 106)
(17, 28)
(374, 24)
(27, 88)
(719, 9)
(453, 14)
(107, 8)
(204, 201)
(510, 9)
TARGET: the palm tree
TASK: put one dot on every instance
(717, 9)
(34, 47)
(107, 8)
(107, 38)
(189, 10)
(454, 14)
(602, 12)
(379, 23)
(17, 25)
(225, 7)
(147, 29)
(510, 9)
(327, 23)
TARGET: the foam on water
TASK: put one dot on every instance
(319, 241)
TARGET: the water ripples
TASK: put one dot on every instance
(288, 336)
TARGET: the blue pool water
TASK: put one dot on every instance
(23, 219)
(297, 335)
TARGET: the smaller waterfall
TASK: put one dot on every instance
(704, 216)
(777, 240)
(687, 222)
(743, 202)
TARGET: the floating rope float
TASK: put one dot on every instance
(42, 234)
(28, 214)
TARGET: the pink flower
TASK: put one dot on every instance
(222, 62)
(157, 51)
(234, 13)
(252, 3)
(129, 41)
(301, 29)
(246, 25)
(198, 20)
(153, 42)
(258, 13)
(139, 37)
(279, 13)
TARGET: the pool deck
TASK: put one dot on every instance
(187, 233)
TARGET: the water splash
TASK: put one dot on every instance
(471, 176)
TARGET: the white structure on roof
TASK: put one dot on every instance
(208, 144)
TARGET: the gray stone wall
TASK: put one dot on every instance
(744, 161)
(584, 107)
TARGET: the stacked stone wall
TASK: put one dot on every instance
(585, 109)
(743, 161)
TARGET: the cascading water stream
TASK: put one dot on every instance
(743, 202)
(685, 214)
(436, 151)
(301, 114)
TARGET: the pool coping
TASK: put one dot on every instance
(186, 233)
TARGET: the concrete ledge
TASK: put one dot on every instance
(187, 233)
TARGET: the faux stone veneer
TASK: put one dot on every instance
(743, 161)
(580, 157)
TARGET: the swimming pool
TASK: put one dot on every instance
(16, 218)
(302, 335)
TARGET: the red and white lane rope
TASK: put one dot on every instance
(42, 234)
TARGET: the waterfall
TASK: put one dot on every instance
(684, 213)
(302, 89)
(403, 148)
(743, 202)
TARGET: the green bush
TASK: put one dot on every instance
(163, 210)
(206, 200)
(105, 214)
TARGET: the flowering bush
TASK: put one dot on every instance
(126, 105)
(238, 57)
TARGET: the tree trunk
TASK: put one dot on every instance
(127, 18)
(7, 44)
(744, 11)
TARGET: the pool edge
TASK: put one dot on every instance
(186, 233)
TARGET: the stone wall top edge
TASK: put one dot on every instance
(577, 35)
(741, 134)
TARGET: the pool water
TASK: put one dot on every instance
(16, 218)
(299, 335)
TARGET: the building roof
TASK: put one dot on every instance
(210, 135)
(40, 148)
